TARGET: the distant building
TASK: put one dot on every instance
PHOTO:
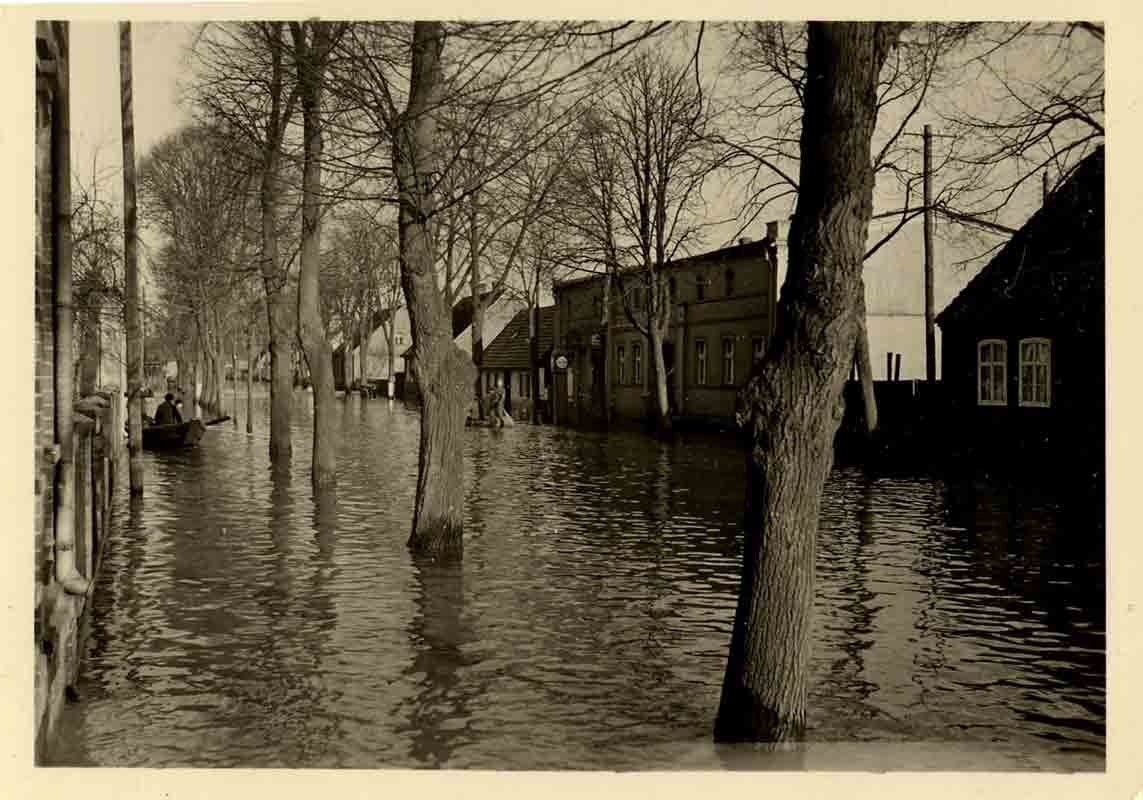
(1023, 343)
(497, 314)
(724, 306)
(507, 360)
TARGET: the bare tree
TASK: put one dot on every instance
(793, 400)
(313, 42)
(244, 86)
(638, 181)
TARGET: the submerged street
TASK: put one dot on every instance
(959, 622)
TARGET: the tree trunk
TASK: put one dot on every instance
(865, 372)
(311, 326)
(477, 332)
(390, 335)
(131, 269)
(273, 277)
(793, 404)
(66, 573)
(445, 374)
(662, 409)
(249, 379)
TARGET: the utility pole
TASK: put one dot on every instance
(131, 269)
(930, 311)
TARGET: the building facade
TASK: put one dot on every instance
(722, 316)
(1023, 344)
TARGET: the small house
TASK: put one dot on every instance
(1023, 343)
(510, 361)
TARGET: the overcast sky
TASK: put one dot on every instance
(894, 279)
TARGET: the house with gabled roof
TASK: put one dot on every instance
(1023, 343)
(509, 361)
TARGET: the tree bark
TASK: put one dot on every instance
(793, 402)
(444, 373)
(311, 327)
(131, 269)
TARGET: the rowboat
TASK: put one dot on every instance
(179, 434)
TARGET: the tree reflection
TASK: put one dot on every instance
(438, 634)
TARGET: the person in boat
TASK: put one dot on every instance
(167, 413)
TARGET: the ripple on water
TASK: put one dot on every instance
(240, 621)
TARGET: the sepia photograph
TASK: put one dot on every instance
(544, 395)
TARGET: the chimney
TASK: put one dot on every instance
(776, 232)
(745, 240)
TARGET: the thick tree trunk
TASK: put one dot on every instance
(131, 269)
(793, 404)
(311, 326)
(273, 277)
(66, 572)
(445, 374)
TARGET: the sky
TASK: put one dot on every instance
(894, 277)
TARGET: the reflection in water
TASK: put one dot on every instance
(242, 620)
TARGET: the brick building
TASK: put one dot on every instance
(723, 311)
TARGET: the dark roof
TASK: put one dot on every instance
(1053, 267)
(462, 313)
(740, 250)
(509, 350)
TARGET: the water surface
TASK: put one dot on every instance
(241, 622)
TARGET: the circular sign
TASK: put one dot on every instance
(561, 362)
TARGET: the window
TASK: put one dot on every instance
(673, 287)
(400, 339)
(992, 373)
(728, 361)
(1035, 372)
(700, 288)
(636, 363)
(758, 348)
(621, 364)
(729, 282)
(700, 362)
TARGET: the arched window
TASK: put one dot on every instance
(1035, 372)
(992, 372)
(729, 282)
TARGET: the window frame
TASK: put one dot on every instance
(728, 361)
(1047, 365)
(757, 353)
(1001, 363)
(701, 362)
(636, 363)
(621, 364)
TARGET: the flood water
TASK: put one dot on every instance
(239, 622)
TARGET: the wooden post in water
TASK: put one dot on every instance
(234, 374)
(131, 268)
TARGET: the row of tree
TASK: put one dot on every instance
(463, 158)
